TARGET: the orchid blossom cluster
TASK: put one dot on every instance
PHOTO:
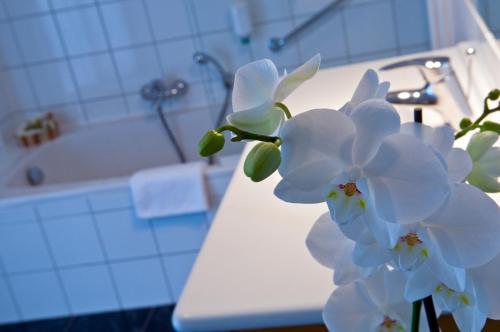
(402, 225)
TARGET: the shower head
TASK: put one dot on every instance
(205, 59)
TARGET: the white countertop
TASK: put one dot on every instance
(254, 269)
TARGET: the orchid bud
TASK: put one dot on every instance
(211, 143)
(465, 122)
(262, 161)
(491, 126)
(494, 94)
(486, 160)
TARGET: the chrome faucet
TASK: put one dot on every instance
(437, 66)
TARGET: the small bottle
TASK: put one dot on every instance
(241, 20)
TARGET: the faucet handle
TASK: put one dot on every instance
(432, 62)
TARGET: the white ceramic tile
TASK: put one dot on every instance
(288, 57)
(212, 15)
(39, 295)
(267, 11)
(69, 116)
(105, 110)
(492, 17)
(8, 313)
(226, 48)
(169, 19)
(61, 207)
(9, 54)
(96, 76)
(64, 4)
(126, 23)
(178, 268)
(181, 233)
(15, 90)
(141, 283)
(53, 83)
(38, 38)
(73, 240)
(110, 199)
(373, 56)
(89, 289)
(17, 214)
(124, 235)
(370, 28)
(327, 38)
(194, 98)
(137, 105)
(26, 7)
(137, 67)
(82, 31)
(412, 23)
(22, 248)
(177, 60)
(301, 7)
(3, 14)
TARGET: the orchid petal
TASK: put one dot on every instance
(487, 287)
(374, 120)
(450, 276)
(366, 89)
(316, 146)
(382, 90)
(385, 233)
(407, 179)
(254, 84)
(418, 130)
(421, 283)
(480, 143)
(258, 122)
(459, 165)
(467, 227)
(290, 194)
(442, 139)
(290, 82)
(469, 319)
(350, 308)
(372, 255)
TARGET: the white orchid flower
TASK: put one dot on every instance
(457, 161)
(374, 304)
(258, 87)
(362, 167)
(486, 159)
(368, 88)
(332, 249)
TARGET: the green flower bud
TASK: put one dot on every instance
(211, 143)
(494, 94)
(262, 161)
(465, 123)
(491, 126)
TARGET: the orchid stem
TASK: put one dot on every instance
(430, 312)
(415, 318)
(241, 135)
(284, 108)
(486, 111)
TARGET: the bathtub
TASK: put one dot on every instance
(73, 245)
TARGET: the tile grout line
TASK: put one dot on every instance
(112, 55)
(396, 28)
(67, 59)
(48, 246)
(162, 263)
(104, 254)
(10, 289)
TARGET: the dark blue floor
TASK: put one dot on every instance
(143, 320)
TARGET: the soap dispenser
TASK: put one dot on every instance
(241, 20)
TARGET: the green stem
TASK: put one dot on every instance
(284, 108)
(241, 135)
(415, 317)
(476, 123)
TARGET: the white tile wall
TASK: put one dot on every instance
(8, 312)
(81, 52)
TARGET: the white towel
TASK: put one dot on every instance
(169, 191)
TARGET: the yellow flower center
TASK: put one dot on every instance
(349, 189)
(411, 239)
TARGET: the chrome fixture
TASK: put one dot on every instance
(35, 176)
(157, 91)
(277, 43)
(438, 66)
(227, 79)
